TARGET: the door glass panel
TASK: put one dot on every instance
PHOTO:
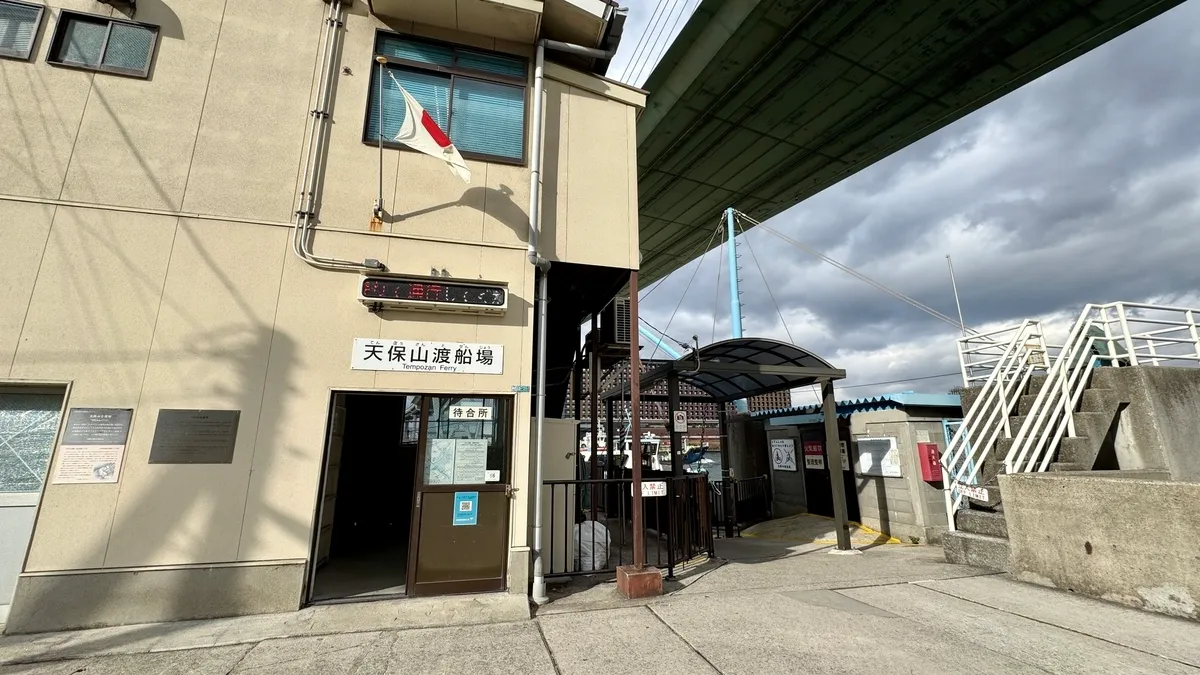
(28, 425)
(467, 440)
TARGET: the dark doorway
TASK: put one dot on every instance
(817, 488)
(361, 549)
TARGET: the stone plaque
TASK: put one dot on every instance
(194, 437)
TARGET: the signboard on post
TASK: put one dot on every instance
(783, 454)
(679, 422)
(427, 356)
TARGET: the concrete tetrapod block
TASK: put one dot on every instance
(635, 583)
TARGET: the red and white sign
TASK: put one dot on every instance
(652, 488)
(814, 455)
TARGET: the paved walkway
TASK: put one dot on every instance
(769, 607)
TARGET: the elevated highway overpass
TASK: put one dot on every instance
(760, 104)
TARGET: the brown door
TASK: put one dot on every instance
(461, 514)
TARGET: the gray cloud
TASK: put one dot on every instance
(1083, 186)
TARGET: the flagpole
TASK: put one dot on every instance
(379, 202)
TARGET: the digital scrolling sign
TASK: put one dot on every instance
(417, 294)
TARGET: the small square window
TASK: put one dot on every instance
(19, 25)
(99, 43)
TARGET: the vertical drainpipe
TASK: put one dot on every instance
(735, 299)
(538, 592)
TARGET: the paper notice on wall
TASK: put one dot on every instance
(922, 435)
(439, 465)
(470, 461)
(88, 464)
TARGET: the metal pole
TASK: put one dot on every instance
(735, 298)
(594, 375)
(833, 458)
(677, 439)
(379, 201)
(635, 445)
(954, 285)
(726, 472)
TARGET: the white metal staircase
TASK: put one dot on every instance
(1024, 379)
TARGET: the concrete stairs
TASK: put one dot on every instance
(981, 537)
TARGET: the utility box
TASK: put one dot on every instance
(930, 460)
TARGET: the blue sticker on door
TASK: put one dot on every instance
(466, 508)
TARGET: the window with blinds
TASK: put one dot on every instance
(476, 97)
(19, 25)
(99, 43)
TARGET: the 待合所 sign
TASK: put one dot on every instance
(466, 508)
(427, 356)
(459, 413)
(783, 454)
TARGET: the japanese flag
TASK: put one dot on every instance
(421, 133)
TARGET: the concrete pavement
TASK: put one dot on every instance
(768, 607)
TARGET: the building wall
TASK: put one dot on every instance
(145, 256)
(906, 507)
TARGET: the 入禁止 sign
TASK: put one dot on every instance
(652, 488)
(679, 422)
(783, 454)
(427, 356)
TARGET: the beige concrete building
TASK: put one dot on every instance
(197, 416)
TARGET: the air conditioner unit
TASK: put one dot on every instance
(614, 323)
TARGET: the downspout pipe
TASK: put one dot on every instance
(538, 123)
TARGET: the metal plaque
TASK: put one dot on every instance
(194, 437)
(97, 426)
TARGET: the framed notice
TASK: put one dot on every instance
(783, 454)
(879, 457)
(93, 446)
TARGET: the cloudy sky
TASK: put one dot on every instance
(1083, 186)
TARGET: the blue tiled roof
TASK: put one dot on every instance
(810, 414)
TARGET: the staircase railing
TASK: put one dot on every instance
(1115, 334)
(1013, 365)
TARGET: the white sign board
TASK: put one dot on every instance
(427, 356)
(922, 435)
(470, 461)
(92, 446)
(878, 457)
(652, 488)
(814, 455)
(972, 491)
(469, 413)
(680, 422)
(783, 454)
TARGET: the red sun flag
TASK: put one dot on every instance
(427, 137)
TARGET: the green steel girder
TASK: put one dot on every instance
(759, 104)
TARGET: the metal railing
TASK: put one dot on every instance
(1115, 334)
(738, 503)
(678, 524)
(987, 420)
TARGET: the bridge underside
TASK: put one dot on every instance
(760, 104)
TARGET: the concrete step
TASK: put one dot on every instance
(982, 522)
(978, 550)
(1025, 404)
(1099, 399)
(1067, 466)
(1035, 384)
(1077, 449)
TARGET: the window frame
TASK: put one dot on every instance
(451, 72)
(66, 15)
(37, 29)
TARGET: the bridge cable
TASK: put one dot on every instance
(860, 276)
(699, 264)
